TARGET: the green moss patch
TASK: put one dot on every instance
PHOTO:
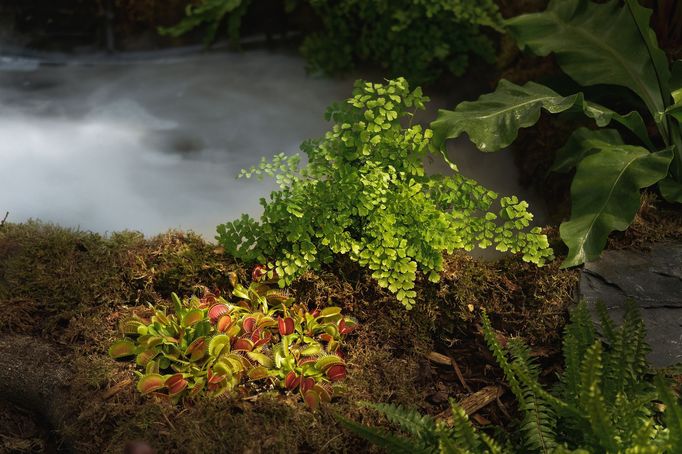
(72, 288)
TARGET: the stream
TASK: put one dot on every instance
(154, 141)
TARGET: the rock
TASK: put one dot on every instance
(34, 377)
(651, 278)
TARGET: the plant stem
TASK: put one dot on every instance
(676, 165)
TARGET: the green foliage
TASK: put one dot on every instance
(603, 43)
(425, 434)
(364, 193)
(417, 39)
(603, 402)
(211, 13)
(605, 193)
(210, 346)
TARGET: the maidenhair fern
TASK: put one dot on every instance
(364, 193)
(603, 402)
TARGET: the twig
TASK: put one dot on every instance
(329, 441)
(449, 361)
(459, 374)
(503, 408)
(168, 420)
(2, 223)
(474, 402)
(439, 358)
(118, 387)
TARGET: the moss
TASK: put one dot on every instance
(52, 278)
(20, 431)
(73, 287)
(48, 275)
(655, 221)
(178, 262)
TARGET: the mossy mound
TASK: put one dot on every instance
(70, 289)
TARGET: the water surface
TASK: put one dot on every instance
(149, 144)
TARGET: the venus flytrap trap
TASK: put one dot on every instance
(212, 346)
(364, 193)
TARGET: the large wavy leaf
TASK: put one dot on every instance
(493, 121)
(675, 111)
(578, 146)
(605, 195)
(671, 190)
(598, 44)
(676, 80)
(658, 59)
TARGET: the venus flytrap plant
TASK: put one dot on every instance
(213, 346)
(364, 193)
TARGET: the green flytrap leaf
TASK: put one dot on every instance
(144, 357)
(150, 383)
(330, 311)
(493, 121)
(599, 44)
(122, 349)
(261, 359)
(605, 195)
(192, 317)
(326, 362)
(219, 344)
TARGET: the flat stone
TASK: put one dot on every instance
(652, 278)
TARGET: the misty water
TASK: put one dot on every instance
(148, 144)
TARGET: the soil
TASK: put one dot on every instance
(62, 293)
